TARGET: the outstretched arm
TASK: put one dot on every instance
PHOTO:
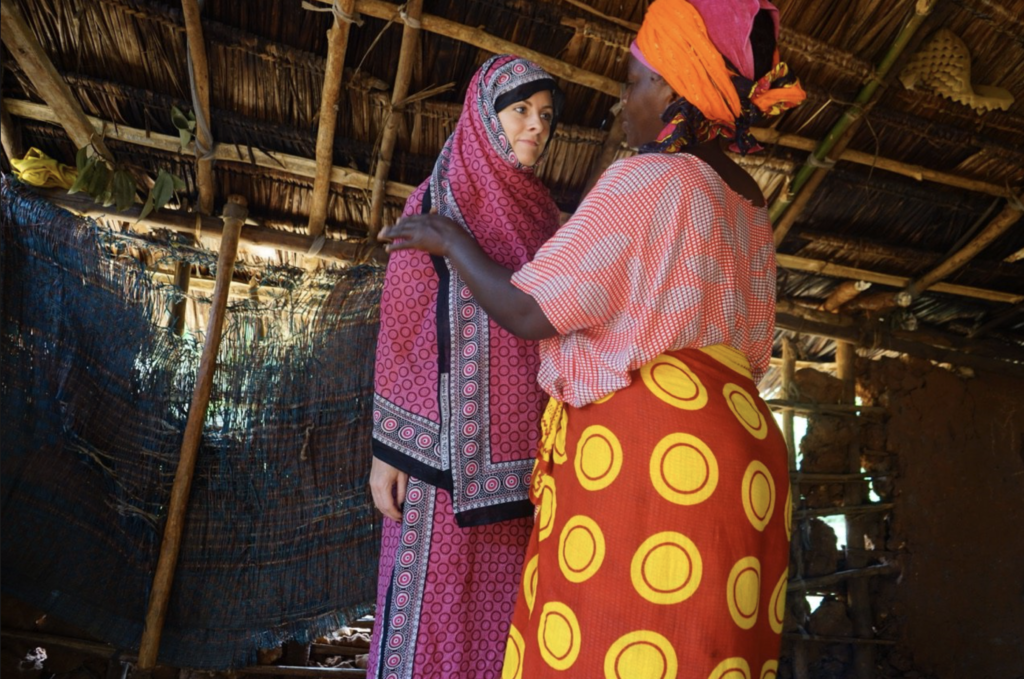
(490, 283)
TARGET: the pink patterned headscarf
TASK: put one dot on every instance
(456, 400)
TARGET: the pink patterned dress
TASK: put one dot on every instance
(457, 406)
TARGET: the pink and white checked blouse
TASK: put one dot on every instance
(661, 255)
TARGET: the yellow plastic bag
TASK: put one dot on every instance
(38, 169)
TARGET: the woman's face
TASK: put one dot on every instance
(527, 125)
(645, 96)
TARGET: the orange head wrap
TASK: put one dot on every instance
(675, 42)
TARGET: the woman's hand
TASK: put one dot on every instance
(430, 233)
(387, 485)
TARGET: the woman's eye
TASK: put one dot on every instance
(520, 109)
(546, 116)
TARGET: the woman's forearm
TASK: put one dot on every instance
(491, 285)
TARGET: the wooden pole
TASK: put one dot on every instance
(858, 600)
(230, 153)
(406, 59)
(10, 136)
(800, 669)
(337, 45)
(338, 251)
(234, 215)
(1002, 222)
(51, 87)
(201, 82)
(490, 43)
(788, 388)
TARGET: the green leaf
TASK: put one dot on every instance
(82, 157)
(178, 119)
(124, 190)
(84, 176)
(185, 136)
(147, 207)
(161, 192)
(179, 183)
(99, 181)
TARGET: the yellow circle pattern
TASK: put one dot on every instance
(673, 382)
(641, 655)
(745, 409)
(731, 668)
(530, 582)
(598, 457)
(546, 507)
(666, 568)
(558, 635)
(758, 494)
(581, 548)
(777, 605)
(683, 469)
(515, 650)
(563, 426)
(770, 670)
(729, 357)
(743, 591)
(605, 398)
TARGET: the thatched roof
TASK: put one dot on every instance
(924, 197)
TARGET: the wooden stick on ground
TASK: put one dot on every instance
(234, 216)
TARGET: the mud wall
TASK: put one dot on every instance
(958, 520)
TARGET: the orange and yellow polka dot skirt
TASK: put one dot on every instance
(661, 542)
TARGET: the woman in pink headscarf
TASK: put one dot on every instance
(660, 547)
(456, 403)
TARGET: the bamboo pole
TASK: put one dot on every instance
(832, 408)
(337, 45)
(406, 59)
(485, 41)
(231, 153)
(211, 227)
(200, 75)
(816, 638)
(234, 216)
(849, 121)
(858, 600)
(1002, 222)
(51, 87)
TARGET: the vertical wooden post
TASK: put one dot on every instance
(201, 83)
(234, 215)
(337, 44)
(406, 59)
(857, 596)
(796, 550)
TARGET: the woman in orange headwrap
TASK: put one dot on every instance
(660, 547)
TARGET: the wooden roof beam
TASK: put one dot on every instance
(787, 207)
(839, 271)
(337, 45)
(872, 335)
(51, 87)
(491, 43)
(211, 227)
(1002, 222)
(406, 58)
(232, 153)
